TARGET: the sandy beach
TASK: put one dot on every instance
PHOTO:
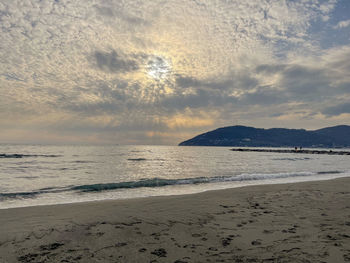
(301, 222)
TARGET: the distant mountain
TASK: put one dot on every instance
(337, 136)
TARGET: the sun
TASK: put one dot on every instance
(158, 68)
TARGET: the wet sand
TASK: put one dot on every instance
(302, 222)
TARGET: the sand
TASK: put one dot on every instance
(302, 222)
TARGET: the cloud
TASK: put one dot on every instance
(312, 80)
(13, 76)
(144, 71)
(185, 121)
(114, 63)
(200, 98)
(187, 82)
(342, 24)
(115, 10)
(337, 109)
(270, 68)
(264, 96)
(306, 83)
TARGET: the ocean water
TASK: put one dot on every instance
(33, 175)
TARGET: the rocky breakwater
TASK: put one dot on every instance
(306, 151)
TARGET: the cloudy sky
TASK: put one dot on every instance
(161, 71)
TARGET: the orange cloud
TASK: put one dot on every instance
(183, 121)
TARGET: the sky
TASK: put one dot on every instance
(162, 71)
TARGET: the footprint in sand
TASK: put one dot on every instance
(121, 244)
(256, 242)
(226, 241)
(52, 246)
(160, 252)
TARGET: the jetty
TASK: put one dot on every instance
(298, 151)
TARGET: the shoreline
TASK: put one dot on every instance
(278, 181)
(295, 221)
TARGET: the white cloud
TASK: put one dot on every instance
(342, 24)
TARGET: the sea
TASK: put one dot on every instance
(32, 175)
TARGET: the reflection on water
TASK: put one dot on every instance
(31, 175)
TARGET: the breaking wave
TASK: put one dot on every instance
(159, 182)
(291, 159)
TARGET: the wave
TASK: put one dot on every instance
(291, 159)
(82, 161)
(27, 177)
(137, 159)
(144, 159)
(32, 194)
(18, 195)
(160, 182)
(20, 155)
(330, 172)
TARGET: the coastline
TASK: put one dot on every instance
(294, 222)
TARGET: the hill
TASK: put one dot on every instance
(337, 136)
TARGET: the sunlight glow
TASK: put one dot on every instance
(158, 68)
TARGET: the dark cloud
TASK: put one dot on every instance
(116, 11)
(105, 11)
(302, 79)
(345, 87)
(308, 84)
(113, 62)
(201, 99)
(264, 96)
(302, 83)
(337, 109)
(187, 81)
(112, 100)
(211, 93)
(13, 76)
(270, 68)
(219, 90)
